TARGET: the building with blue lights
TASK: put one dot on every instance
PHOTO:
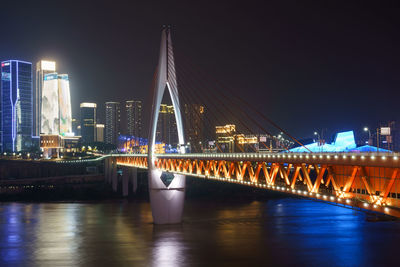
(344, 142)
(16, 106)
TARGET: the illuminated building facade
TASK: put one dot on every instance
(194, 118)
(100, 133)
(88, 122)
(56, 105)
(43, 67)
(55, 119)
(64, 99)
(247, 143)
(113, 122)
(166, 126)
(226, 137)
(16, 106)
(50, 120)
(344, 142)
(134, 118)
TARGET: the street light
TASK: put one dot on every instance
(319, 141)
(366, 129)
(317, 134)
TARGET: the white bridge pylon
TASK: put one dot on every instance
(166, 201)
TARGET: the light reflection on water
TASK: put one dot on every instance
(274, 232)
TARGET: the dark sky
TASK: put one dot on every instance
(307, 67)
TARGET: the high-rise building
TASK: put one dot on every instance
(113, 122)
(166, 126)
(43, 67)
(134, 117)
(50, 109)
(64, 99)
(16, 105)
(88, 122)
(194, 119)
(55, 119)
(56, 105)
(100, 133)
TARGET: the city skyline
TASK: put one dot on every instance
(339, 65)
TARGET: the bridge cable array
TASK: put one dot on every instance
(223, 103)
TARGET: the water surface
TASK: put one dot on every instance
(277, 232)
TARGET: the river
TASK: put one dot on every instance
(276, 232)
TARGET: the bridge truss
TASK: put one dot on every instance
(363, 180)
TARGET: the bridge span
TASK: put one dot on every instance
(364, 180)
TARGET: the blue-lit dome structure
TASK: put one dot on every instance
(344, 142)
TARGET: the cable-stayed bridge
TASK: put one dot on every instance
(364, 180)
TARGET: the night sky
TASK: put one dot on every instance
(306, 67)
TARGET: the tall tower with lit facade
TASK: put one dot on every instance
(194, 118)
(16, 106)
(113, 122)
(43, 67)
(56, 105)
(166, 126)
(88, 122)
(134, 117)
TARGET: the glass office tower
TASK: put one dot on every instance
(134, 117)
(88, 122)
(113, 122)
(16, 105)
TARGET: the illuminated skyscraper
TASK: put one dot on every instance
(43, 67)
(113, 121)
(64, 99)
(134, 117)
(16, 105)
(50, 108)
(88, 122)
(166, 126)
(194, 118)
(56, 105)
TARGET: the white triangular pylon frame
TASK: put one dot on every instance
(166, 201)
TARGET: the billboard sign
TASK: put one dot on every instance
(385, 130)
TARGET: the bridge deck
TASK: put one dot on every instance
(365, 180)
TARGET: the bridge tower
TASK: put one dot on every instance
(166, 199)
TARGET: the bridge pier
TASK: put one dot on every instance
(107, 169)
(114, 177)
(166, 201)
(134, 179)
(126, 172)
(110, 169)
